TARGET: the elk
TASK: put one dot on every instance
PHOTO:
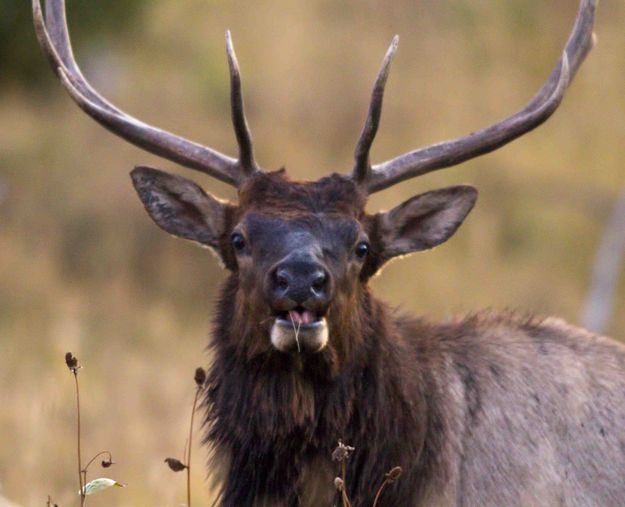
(489, 409)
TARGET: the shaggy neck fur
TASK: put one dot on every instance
(274, 415)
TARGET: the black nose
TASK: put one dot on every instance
(298, 280)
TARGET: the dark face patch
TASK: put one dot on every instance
(327, 237)
(270, 237)
(315, 222)
(277, 218)
(292, 233)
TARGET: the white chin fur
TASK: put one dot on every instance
(311, 338)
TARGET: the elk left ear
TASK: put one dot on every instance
(179, 206)
(425, 220)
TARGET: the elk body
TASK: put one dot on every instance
(491, 409)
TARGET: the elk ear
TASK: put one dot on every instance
(425, 220)
(179, 206)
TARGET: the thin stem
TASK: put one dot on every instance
(80, 470)
(94, 458)
(346, 502)
(184, 452)
(379, 493)
(389, 478)
(188, 459)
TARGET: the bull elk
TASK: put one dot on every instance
(490, 409)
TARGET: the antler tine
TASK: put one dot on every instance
(362, 165)
(538, 110)
(54, 39)
(241, 129)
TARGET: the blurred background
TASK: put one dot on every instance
(82, 267)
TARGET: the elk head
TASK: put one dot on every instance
(300, 254)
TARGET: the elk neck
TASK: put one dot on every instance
(368, 391)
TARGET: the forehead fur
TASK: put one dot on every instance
(275, 193)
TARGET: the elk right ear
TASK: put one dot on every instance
(179, 206)
(425, 220)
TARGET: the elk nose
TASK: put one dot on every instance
(299, 282)
(318, 284)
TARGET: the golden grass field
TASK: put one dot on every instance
(82, 267)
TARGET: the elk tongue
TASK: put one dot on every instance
(301, 318)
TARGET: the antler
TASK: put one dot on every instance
(53, 37)
(362, 164)
(453, 152)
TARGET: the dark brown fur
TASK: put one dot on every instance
(402, 392)
(486, 410)
(416, 395)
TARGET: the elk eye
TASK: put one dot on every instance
(362, 249)
(238, 241)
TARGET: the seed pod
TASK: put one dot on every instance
(342, 452)
(175, 464)
(200, 377)
(393, 474)
(339, 484)
(106, 463)
(71, 362)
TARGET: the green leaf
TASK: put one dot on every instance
(97, 485)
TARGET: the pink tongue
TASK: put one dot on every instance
(305, 317)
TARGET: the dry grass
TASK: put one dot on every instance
(83, 269)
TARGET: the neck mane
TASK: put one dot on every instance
(270, 412)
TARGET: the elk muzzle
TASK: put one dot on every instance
(299, 289)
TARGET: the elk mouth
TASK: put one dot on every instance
(299, 330)
(299, 316)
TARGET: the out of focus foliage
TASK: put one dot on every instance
(20, 58)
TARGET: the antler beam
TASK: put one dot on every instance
(453, 152)
(53, 36)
